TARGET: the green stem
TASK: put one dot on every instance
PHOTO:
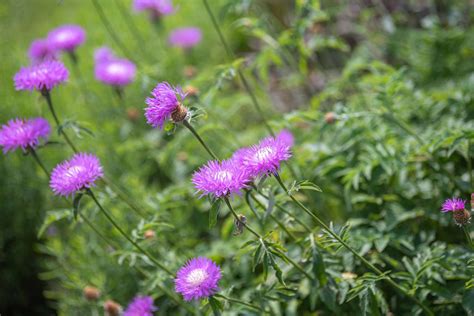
(122, 232)
(343, 243)
(468, 236)
(288, 259)
(193, 131)
(240, 73)
(47, 96)
(123, 196)
(235, 300)
(469, 164)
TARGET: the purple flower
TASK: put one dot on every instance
(115, 72)
(75, 174)
(185, 37)
(220, 179)
(67, 37)
(157, 8)
(454, 204)
(43, 76)
(264, 158)
(40, 50)
(140, 306)
(286, 137)
(197, 279)
(103, 54)
(162, 104)
(23, 133)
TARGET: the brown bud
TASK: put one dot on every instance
(133, 114)
(330, 117)
(462, 217)
(472, 202)
(179, 114)
(191, 90)
(182, 156)
(189, 71)
(112, 308)
(149, 234)
(91, 293)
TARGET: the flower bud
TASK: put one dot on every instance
(462, 217)
(149, 234)
(91, 293)
(112, 308)
(189, 71)
(330, 117)
(133, 114)
(179, 114)
(191, 90)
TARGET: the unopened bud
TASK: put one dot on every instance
(133, 114)
(330, 117)
(91, 293)
(112, 308)
(149, 234)
(462, 217)
(179, 114)
(189, 71)
(191, 90)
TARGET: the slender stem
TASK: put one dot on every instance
(468, 236)
(38, 160)
(193, 131)
(123, 196)
(296, 265)
(343, 243)
(47, 96)
(469, 164)
(122, 232)
(240, 73)
(235, 300)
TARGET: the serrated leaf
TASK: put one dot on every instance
(214, 212)
(52, 217)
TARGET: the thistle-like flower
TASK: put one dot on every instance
(457, 207)
(42, 77)
(185, 37)
(41, 50)
(103, 54)
(157, 8)
(23, 133)
(164, 105)
(140, 306)
(67, 37)
(220, 179)
(79, 172)
(198, 279)
(115, 72)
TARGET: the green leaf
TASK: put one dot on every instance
(307, 185)
(214, 212)
(216, 306)
(319, 269)
(76, 204)
(270, 205)
(52, 217)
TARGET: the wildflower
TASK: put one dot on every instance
(264, 158)
(286, 137)
(23, 133)
(103, 54)
(457, 207)
(75, 174)
(67, 37)
(43, 76)
(41, 50)
(112, 308)
(116, 72)
(198, 279)
(186, 37)
(157, 8)
(140, 306)
(220, 179)
(91, 293)
(164, 104)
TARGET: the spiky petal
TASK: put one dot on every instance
(42, 76)
(162, 104)
(23, 133)
(452, 205)
(140, 306)
(198, 279)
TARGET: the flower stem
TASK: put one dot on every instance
(47, 96)
(193, 131)
(343, 243)
(122, 232)
(288, 259)
(468, 236)
(240, 73)
(234, 300)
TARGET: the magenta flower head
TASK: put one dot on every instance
(157, 8)
(140, 306)
(198, 279)
(452, 205)
(23, 133)
(186, 37)
(103, 54)
(40, 50)
(115, 72)
(264, 158)
(286, 137)
(220, 179)
(42, 77)
(79, 172)
(67, 37)
(164, 104)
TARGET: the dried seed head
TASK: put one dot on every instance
(112, 308)
(179, 114)
(91, 293)
(149, 234)
(462, 217)
(330, 117)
